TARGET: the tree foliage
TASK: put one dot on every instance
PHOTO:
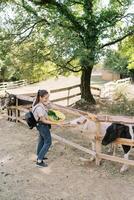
(6, 68)
(74, 32)
(116, 62)
(122, 60)
(127, 50)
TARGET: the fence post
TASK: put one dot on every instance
(68, 97)
(4, 86)
(98, 143)
(16, 110)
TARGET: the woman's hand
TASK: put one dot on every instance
(92, 116)
(61, 124)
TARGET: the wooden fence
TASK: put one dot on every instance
(11, 85)
(124, 81)
(100, 118)
(96, 93)
(109, 88)
(69, 94)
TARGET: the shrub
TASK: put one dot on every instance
(121, 107)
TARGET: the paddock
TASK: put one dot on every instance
(69, 175)
(99, 155)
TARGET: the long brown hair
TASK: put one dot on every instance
(40, 93)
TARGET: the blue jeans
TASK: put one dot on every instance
(44, 142)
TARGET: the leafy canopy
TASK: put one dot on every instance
(71, 34)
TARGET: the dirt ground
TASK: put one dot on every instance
(69, 175)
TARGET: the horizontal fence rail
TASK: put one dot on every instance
(110, 88)
(69, 93)
(13, 84)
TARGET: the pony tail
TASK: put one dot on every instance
(37, 98)
(40, 93)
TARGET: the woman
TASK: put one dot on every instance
(40, 112)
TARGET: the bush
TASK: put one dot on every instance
(120, 107)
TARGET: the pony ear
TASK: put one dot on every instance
(7, 93)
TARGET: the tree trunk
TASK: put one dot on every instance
(85, 85)
(132, 74)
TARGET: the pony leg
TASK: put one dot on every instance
(125, 167)
(93, 148)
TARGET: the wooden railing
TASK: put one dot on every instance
(124, 80)
(97, 137)
(68, 97)
(11, 85)
(109, 88)
(69, 94)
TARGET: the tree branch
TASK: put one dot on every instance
(68, 68)
(110, 23)
(30, 29)
(114, 20)
(76, 2)
(27, 36)
(88, 6)
(62, 9)
(65, 67)
(117, 40)
(120, 2)
(29, 8)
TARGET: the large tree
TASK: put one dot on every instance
(77, 31)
